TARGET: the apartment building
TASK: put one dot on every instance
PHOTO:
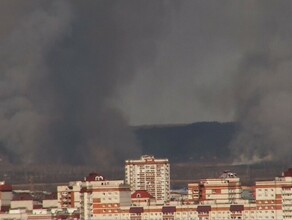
(182, 212)
(69, 195)
(103, 199)
(274, 197)
(208, 199)
(193, 192)
(151, 174)
(225, 189)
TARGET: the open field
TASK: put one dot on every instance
(48, 177)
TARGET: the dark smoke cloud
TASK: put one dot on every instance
(263, 91)
(61, 64)
(228, 61)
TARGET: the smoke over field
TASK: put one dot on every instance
(61, 64)
(70, 70)
(262, 85)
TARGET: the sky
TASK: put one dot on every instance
(75, 74)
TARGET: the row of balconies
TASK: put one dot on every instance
(287, 194)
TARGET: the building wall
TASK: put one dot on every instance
(51, 203)
(274, 198)
(5, 198)
(15, 216)
(193, 192)
(5, 194)
(226, 189)
(183, 212)
(103, 198)
(69, 195)
(149, 174)
(27, 204)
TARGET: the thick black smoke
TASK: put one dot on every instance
(226, 60)
(61, 63)
(263, 91)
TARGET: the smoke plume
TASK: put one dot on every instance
(263, 91)
(61, 64)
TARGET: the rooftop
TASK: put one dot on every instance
(141, 194)
(94, 177)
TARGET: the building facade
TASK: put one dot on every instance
(5, 196)
(103, 199)
(225, 189)
(208, 199)
(150, 174)
(69, 195)
(274, 197)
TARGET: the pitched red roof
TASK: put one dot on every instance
(288, 172)
(137, 210)
(141, 194)
(94, 177)
(5, 188)
(37, 206)
(204, 208)
(168, 209)
(236, 208)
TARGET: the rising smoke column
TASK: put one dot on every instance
(263, 90)
(25, 40)
(61, 63)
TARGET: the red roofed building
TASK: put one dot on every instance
(5, 196)
(142, 198)
(287, 173)
(94, 177)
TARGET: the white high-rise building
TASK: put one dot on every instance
(149, 174)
